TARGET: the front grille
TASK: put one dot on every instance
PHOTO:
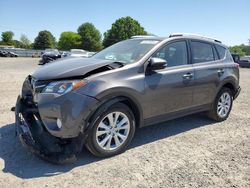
(37, 85)
(31, 87)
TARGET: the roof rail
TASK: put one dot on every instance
(193, 35)
(141, 36)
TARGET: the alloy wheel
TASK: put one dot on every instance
(112, 131)
(224, 104)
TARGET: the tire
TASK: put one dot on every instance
(106, 139)
(214, 113)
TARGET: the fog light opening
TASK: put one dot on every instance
(59, 123)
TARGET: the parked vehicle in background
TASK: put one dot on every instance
(49, 55)
(3, 53)
(64, 54)
(8, 54)
(78, 53)
(12, 54)
(36, 54)
(244, 62)
(91, 53)
(236, 57)
(101, 100)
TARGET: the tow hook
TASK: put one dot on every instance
(13, 109)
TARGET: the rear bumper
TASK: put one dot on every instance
(237, 92)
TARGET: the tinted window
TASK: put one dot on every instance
(175, 53)
(202, 52)
(221, 51)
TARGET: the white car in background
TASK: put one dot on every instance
(78, 53)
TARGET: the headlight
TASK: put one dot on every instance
(62, 87)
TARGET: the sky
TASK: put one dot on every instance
(226, 20)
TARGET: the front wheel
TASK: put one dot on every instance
(222, 105)
(112, 131)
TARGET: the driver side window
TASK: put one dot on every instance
(174, 53)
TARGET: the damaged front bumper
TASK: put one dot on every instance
(52, 126)
(36, 135)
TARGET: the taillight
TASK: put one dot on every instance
(237, 65)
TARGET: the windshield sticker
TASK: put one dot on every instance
(149, 42)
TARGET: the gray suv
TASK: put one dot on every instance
(100, 101)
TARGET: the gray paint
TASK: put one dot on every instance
(163, 94)
(68, 67)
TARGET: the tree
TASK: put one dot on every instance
(90, 37)
(17, 44)
(25, 42)
(238, 50)
(44, 40)
(7, 37)
(69, 40)
(123, 28)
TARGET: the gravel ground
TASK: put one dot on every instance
(188, 152)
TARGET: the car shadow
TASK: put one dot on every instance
(21, 163)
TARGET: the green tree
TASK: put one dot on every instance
(69, 40)
(123, 28)
(17, 44)
(7, 37)
(239, 49)
(248, 50)
(25, 42)
(90, 37)
(44, 40)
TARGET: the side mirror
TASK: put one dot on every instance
(157, 63)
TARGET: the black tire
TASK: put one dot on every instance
(91, 142)
(213, 113)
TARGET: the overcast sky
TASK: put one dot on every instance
(226, 20)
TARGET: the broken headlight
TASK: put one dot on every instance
(62, 87)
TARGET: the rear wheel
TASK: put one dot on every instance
(222, 105)
(112, 131)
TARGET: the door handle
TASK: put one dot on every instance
(220, 72)
(187, 75)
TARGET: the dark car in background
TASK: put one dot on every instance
(4, 53)
(49, 55)
(12, 54)
(100, 101)
(244, 62)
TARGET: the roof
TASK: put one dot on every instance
(181, 35)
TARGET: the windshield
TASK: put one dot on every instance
(128, 51)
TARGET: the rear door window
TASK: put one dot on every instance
(201, 52)
(221, 51)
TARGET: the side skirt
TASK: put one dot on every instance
(174, 115)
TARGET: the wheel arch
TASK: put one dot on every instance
(230, 85)
(108, 101)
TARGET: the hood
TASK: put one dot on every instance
(68, 67)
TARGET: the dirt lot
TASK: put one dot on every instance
(188, 152)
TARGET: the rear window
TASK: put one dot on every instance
(201, 52)
(221, 51)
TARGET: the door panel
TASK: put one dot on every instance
(168, 90)
(207, 80)
(207, 72)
